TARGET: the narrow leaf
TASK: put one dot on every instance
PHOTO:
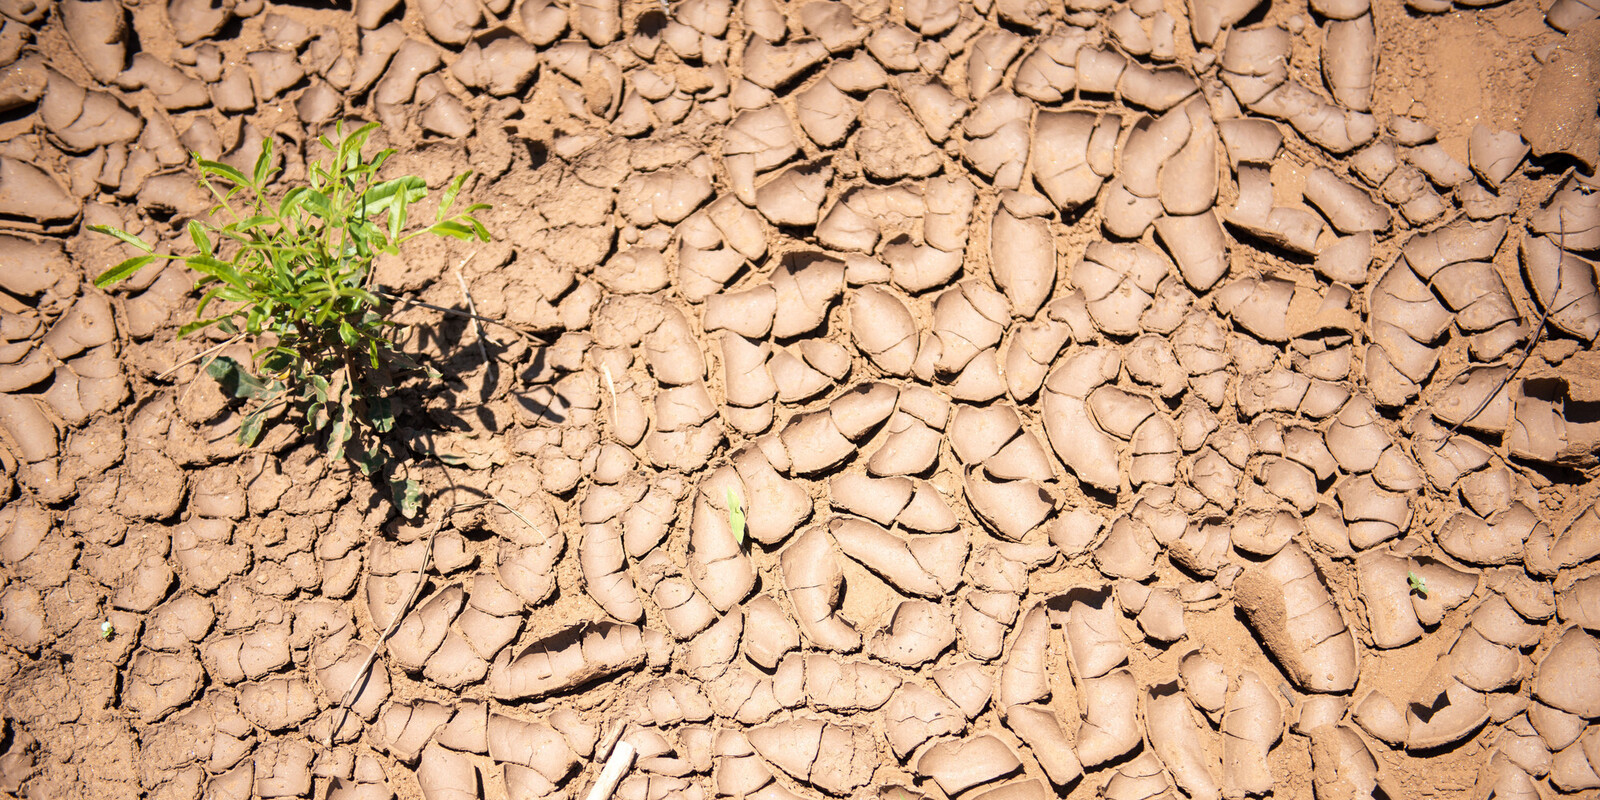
(122, 272)
(735, 518)
(126, 237)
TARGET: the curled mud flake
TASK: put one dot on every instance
(1343, 767)
(990, 54)
(883, 328)
(717, 564)
(600, 21)
(1141, 778)
(570, 659)
(1289, 608)
(545, 756)
(1179, 739)
(835, 758)
(1386, 597)
(1372, 515)
(815, 442)
(795, 196)
(825, 113)
(30, 193)
(1095, 643)
(98, 33)
(757, 141)
(769, 634)
(958, 765)
(1011, 508)
(1560, 678)
(666, 196)
(775, 66)
(1349, 56)
(814, 581)
(685, 610)
(1110, 726)
(1161, 619)
(447, 775)
(928, 566)
(934, 105)
(1023, 678)
(1049, 72)
(1022, 252)
(1089, 452)
(1552, 122)
(278, 703)
(604, 565)
(422, 631)
(1063, 163)
(879, 500)
(995, 138)
(807, 285)
(1129, 550)
(1447, 589)
(1348, 208)
(890, 143)
(1203, 680)
(283, 768)
(1294, 227)
(1443, 710)
(1380, 717)
(915, 714)
(501, 67)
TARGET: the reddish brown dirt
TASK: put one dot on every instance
(1125, 398)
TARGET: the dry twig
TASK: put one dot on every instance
(1527, 350)
(342, 710)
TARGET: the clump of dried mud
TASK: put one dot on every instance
(1125, 398)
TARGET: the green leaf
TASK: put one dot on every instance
(452, 228)
(407, 496)
(122, 272)
(338, 433)
(126, 237)
(381, 414)
(194, 325)
(735, 518)
(235, 379)
(263, 163)
(201, 241)
(1419, 585)
(448, 199)
(250, 429)
(368, 461)
(234, 176)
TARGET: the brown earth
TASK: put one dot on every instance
(1126, 398)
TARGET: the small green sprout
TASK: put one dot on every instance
(1419, 585)
(736, 518)
(107, 630)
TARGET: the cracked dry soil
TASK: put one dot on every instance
(1128, 399)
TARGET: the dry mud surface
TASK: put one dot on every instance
(1098, 379)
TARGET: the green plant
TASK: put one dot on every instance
(736, 518)
(107, 630)
(294, 276)
(1419, 584)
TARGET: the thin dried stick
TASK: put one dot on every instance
(517, 514)
(611, 387)
(477, 327)
(202, 354)
(1533, 341)
(456, 313)
(620, 760)
(343, 708)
